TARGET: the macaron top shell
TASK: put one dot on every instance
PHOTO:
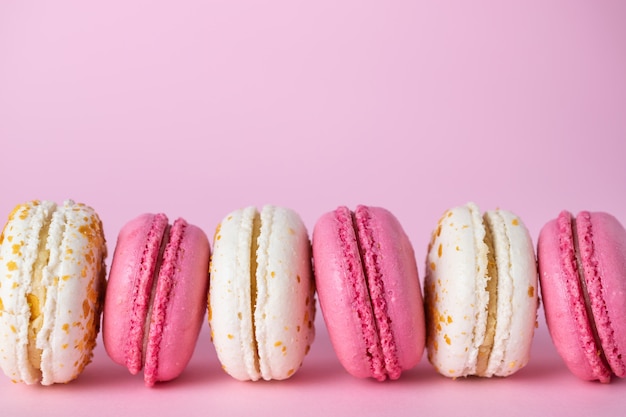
(581, 263)
(481, 293)
(369, 291)
(53, 278)
(155, 300)
(261, 296)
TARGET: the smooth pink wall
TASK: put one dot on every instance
(196, 108)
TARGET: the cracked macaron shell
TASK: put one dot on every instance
(602, 259)
(462, 338)
(369, 291)
(155, 300)
(52, 280)
(261, 295)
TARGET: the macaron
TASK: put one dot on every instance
(261, 296)
(156, 296)
(582, 270)
(52, 281)
(480, 291)
(369, 291)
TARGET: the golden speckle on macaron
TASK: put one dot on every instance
(17, 247)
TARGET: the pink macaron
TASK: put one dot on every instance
(582, 272)
(156, 296)
(369, 291)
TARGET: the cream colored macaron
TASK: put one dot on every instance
(261, 293)
(52, 279)
(480, 293)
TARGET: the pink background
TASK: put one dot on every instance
(199, 108)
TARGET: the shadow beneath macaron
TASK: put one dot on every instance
(422, 373)
(104, 373)
(192, 376)
(319, 371)
(541, 371)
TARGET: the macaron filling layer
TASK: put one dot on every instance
(486, 347)
(143, 289)
(151, 295)
(587, 282)
(590, 269)
(578, 295)
(166, 265)
(579, 260)
(480, 348)
(254, 247)
(370, 253)
(356, 235)
(36, 298)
